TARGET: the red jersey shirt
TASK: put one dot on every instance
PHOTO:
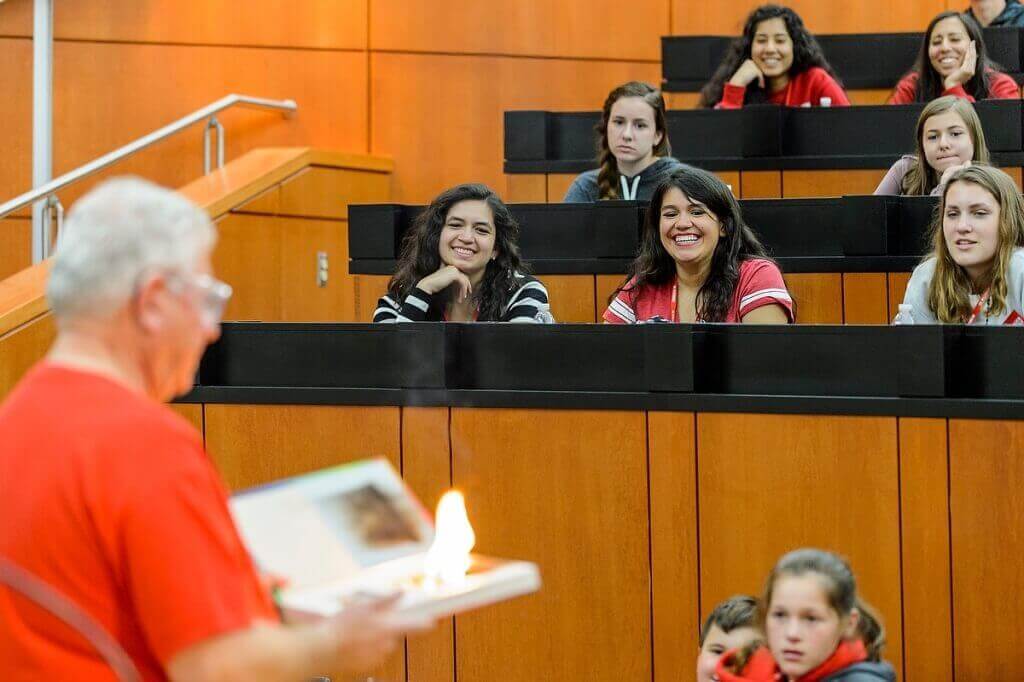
(109, 498)
(803, 90)
(1001, 86)
(760, 284)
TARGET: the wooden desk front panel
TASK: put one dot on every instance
(608, 503)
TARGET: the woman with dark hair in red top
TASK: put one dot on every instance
(953, 61)
(776, 61)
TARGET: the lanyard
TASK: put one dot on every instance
(674, 315)
(977, 308)
(627, 193)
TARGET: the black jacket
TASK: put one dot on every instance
(1012, 15)
(865, 672)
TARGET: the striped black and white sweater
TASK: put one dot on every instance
(529, 303)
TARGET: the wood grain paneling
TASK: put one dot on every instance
(526, 189)
(16, 84)
(439, 140)
(256, 444)
(568, 490)
(558, 185)
(761, 184)
(106, 95)
(15, 245)
(818, 297)
(319, 192)
(829, 183)
(866, 16)
(367, 291)
(731, 178)
(675, 598)
(865, 298)
(986, 475)
(572, 28)
(426, 467)
(23, 347)
(193, 412)
(271, 262)
(880, 96)
(682, 100)
(924, 523)
(897, 290)
(571, 297)
(605, 285)
(783, 482)
(1014, 173)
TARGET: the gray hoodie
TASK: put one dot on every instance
(584, 188)
(864, 672)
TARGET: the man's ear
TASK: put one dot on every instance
(149, 302)
(850, 632)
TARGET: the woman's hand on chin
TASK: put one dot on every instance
(446, 276)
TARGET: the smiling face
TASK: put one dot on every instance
(946, 141)
(689, 230)
(947, 45)
(717, 642)
(772, 49)
(970, 226)
(467, 238)
(802, 628)
(632, 134)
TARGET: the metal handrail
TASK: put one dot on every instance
(287, 106)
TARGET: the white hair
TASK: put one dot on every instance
(113, 235)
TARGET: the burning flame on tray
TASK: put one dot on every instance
(448, 560)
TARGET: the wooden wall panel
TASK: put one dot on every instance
(567, 489)
(880, 96)
(986, 474)
(865, 298)
(367, 291)
(866, 16)
(682, 100)
(526, 189)
(16, 84)
(604, 285)
(675, 592)
(558, 185)
(439, 140)
(320, 192)
(571, 297)
(426, 468)
(248, 256)
(782, 482)
(924, 524)
(256, 444)
(897, 290)
(91, 117)
(731, 178)
(193, 412)
(15, 245)
(830, 183)
(572, 28)
(23, 347)
(818, 297)
(761, 185)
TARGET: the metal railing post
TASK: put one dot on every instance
(213, 124)
(42, 120)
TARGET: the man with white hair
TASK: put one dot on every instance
(106, 495)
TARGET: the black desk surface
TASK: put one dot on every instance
(841, 234)
(762, 137)
(926, 371)
(862, 60)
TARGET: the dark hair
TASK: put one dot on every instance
(838, 581)
(653, 265)
(738, 611)
(421, 255)
(930, 83)
(870, 630)
(807, 53)
(608, 172)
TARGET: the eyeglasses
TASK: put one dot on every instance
(214, 295)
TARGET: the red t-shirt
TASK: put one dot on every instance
(1001, 86)
(760, 284)
(109, 498)
(803, 90)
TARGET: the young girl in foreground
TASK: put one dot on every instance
(811, 624)
(953, 61)
(949, 137)
(699, 262)
(460, 263)
(777, 61)
(634, 154)
(975, 274)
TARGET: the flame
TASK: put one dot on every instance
(447, 560)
